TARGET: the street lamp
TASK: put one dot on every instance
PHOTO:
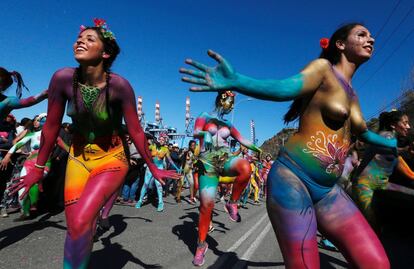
(234, 107)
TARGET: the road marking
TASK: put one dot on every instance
(246, 235)
(250, 251)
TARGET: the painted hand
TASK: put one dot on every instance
(161, 175)
(26, 182)
(210, 79)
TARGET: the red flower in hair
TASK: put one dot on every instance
(99, 22)
(324, 43)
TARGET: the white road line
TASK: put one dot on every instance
(250, 251)
(237, 244)
(247, 234)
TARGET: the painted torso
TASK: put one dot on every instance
(219, 130)
(102, 118)
(158, 154)
(322, 142)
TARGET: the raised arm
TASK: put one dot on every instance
(126, 97)
(224, 77)
(15, 102)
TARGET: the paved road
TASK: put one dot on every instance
(143, 238)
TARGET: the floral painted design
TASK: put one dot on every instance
(329, 151)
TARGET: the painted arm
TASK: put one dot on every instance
(126, 96)
(245, 142)
(360, 129)
(20, 136)
(404, 169)
(61, 80)
(168, 156)
(224, 77)
(6, 160)
(15, 102)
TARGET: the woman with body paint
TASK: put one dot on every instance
(29, 203)
(376, 167)
(213, 132)
(302, 190)
(97, 101)
(160, 153)
(8, 103)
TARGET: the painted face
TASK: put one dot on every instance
(161, 140)
(227, 104)
(359, 43)
(192, 146)
(402, 126)
(88, 47)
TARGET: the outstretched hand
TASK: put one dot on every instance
(161, 175)
(210, 79)
(27, 182)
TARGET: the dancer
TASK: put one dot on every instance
(8, 103)
(374, 171)
(159, 152)
(187, 166)
(97, 101)
(29, 203)
(302, 190)
(213, 131)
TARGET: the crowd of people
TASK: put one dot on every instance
(324, 177)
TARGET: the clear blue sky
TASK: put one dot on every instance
(264, 39)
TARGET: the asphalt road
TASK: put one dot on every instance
(144, 238)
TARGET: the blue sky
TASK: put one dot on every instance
(263, 39)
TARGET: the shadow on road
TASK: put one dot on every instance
(113, 255)
(17, 233)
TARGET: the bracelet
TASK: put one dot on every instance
(39, 166)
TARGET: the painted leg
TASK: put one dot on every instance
(342, 223)
(208, 188)
(34, 195)
(160, 207)
(292, 215)
(240, 168)
(363, 194)
(147, 181)
(81, 216)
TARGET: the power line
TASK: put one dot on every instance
(387, 20)
(396, 28)
(388, 58)
(393, 102)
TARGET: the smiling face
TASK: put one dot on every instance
(358, 46)
(89, 48)
(402, 126)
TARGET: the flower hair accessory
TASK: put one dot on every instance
(226, 94)
(324, 43)
(101, 23)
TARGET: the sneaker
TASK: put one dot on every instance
(257, 203)
(211, 229)
(160, 207)
(22, 217)
(4, 212)
(138, 204)
(200, 253)
(231, 208)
